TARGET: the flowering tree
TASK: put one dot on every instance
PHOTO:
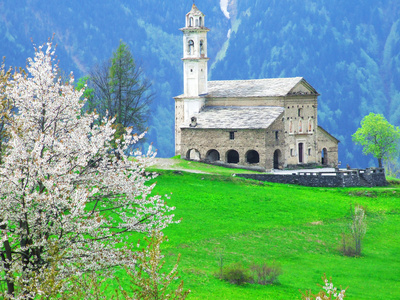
(5, 108)
(58, 184)
(328, 292)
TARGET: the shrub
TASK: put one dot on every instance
(351, 243)
(347, 245)
(265, 273)
(236, 274)
(358, 227)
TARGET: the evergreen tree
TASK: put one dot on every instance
(121, 89)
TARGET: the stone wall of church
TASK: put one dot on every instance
(301, 128)
(202, 144)
(327, 148)
(179, 117)
(254, 147)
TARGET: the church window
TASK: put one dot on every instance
(200, 22)
(191, 47)
(276, 135)
(232, 135)
(191, 22)
(299, 112)
(201, 47)
(309, 151)
(292, 152)
(310, 125)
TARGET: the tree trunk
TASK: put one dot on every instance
(380, 162)
(7, 266)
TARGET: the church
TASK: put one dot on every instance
(265, 123)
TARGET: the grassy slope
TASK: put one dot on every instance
(249, 221)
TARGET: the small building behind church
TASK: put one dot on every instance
(265, 123)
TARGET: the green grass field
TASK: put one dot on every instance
(299, 227)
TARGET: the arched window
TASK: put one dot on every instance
(232, 157)
(310, 125)
(191, 47)
(324, 156)
(252, 157)
(200, 22)
(191, 22)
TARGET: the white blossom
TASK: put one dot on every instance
(59, 183)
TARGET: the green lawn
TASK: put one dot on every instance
(250, 221)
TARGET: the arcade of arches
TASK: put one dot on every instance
(252, 157)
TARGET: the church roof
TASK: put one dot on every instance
(271, 87)
(236, 117)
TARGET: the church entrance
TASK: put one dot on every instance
(301, 153)
(324, 158)
(277, 158)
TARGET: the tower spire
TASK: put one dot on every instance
(195, 53)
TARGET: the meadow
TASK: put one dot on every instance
(300, 227)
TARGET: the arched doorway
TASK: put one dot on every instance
(324, 156)
(193, 154)
(252, 157)
(232, 157)
(277, 158)
(212, 155)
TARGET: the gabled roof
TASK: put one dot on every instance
(271, 87)
(236, 117)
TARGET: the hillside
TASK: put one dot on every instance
(348, 50)
(301, 228)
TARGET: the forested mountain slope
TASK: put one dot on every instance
(348, 50)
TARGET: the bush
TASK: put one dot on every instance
(351, 243)
(263, 273)
(236, 274)
(266, 273)
(347, 247)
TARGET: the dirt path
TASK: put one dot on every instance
(171, 164)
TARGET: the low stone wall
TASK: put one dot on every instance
(348, 178)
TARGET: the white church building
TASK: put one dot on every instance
(265, 123)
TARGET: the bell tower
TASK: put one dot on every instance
(195, 53)
(194, 73)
